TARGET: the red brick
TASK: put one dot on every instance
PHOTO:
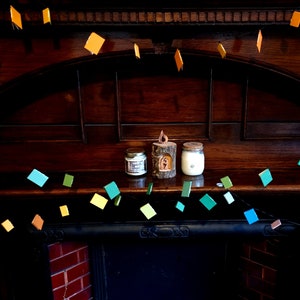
(68, 247)
(58, 280)
(83, 254)
(86, 281)
(78, 271)
(63, 262)
(54, 250)
(83, 295)
(59, 294)
(73, 288)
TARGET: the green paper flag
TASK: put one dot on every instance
(226, 182)
(186, 188)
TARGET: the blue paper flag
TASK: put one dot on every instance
(37, 177)
(251, 216)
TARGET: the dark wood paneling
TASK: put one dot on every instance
(125, 103)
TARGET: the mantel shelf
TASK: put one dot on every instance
(285, 181)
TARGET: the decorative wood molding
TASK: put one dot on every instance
(136, 17)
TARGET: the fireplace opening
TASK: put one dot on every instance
(164, 269)
(161, 262)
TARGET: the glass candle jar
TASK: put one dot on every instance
(135, 161)
(192, 158)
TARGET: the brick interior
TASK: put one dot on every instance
(258, 270)
(70, 272)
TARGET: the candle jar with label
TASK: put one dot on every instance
(135, 161)
(192, 158)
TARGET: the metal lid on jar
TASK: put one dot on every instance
(133, 152)
(192, 146)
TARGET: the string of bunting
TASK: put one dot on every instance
(95, 42)
(113, 193)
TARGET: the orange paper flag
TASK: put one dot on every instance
(178, 60)
(259, 41)
(136, 51)
(295, 20)
(16, 17)
(37, 222)
(94, 43)
(46, 16)
(221, 50)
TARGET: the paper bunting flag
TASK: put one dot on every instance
(251, 216)
(112, 190)
(37, 222)
(7, 225)
(99, 201)
(266, 177)
(229, 198)
(180, 206)
(37, 177)
(16, 17)
(226, 182)
(46, 16)
(94, 43)
(259, 41)
(136, 50)
(221, 50)
(117, 200)
(178, 60)
(295, 20)
(148, 211)
(276, 224)
(186, 188)
(68, 180)
(64, 210)
(149, 189)
(208, 202)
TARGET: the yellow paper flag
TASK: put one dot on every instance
(16, 17)
(99, 201)
(295, 20)
(178, 60)
(259, 40)
(94, 43)
(64, 210)
(221, 50)
(7, 225)
(46, 16)
(136, 51)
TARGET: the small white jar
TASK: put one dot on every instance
(135, 161)
(192, 158)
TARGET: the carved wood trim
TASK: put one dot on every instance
(136, 17)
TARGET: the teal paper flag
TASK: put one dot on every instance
(112, 190)
(208, 202)
(266, 177)
(180, 206)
